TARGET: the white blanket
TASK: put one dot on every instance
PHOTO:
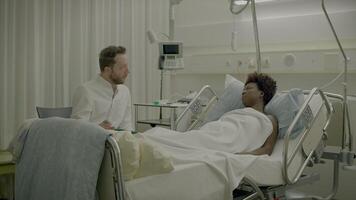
(220, 171)
(237, 131)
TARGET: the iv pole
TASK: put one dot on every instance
(350, 154)
(255, 28)
(170, 38)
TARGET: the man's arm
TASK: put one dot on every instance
(126, 123)
(82, 106)
(267, 147)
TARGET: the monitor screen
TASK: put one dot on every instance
(170, 49)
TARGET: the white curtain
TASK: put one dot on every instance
(49, 47)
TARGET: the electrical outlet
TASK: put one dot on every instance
(266, 62)
(228, 63)
(251, 63)
(289, 59)
(239, 63)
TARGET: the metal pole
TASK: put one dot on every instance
(345, 79)
(161, 95)
(257, 41)
(171, 21)
(171, 38)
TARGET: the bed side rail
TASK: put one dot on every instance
(305, 113)
(347, 116)
(197, 108)
(110, 181)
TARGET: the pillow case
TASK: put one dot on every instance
(230, 79)
(229, 100)
(285, 106)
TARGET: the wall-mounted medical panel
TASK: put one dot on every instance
(307, 61)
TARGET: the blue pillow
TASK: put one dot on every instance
(229, 100)
(285, 106)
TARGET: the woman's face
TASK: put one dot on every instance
(251, 95)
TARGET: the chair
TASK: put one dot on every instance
(63, 112)
(73, 139)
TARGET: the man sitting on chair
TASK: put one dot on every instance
(105, 100)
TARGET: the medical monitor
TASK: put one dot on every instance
(171, 49)
(170, 55)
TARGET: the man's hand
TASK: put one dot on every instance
(106, 124)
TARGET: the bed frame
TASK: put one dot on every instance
(314, 148)
(194, 114)
(312, 143)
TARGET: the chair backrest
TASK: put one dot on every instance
(64, 112)
(77, 136)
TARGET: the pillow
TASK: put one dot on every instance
(229, 100)
(153, 160)
(229, 79)
(130, 153)
(285, 106)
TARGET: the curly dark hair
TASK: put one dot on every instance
(264, 83)
(107, 56)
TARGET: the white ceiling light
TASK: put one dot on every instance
(240, 2)
(243, 2)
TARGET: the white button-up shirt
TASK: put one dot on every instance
(96, 101)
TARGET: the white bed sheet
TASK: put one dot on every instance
(192, 181)
(198, 175)
(267, 170)
(195, 181)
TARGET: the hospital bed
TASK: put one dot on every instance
(268, 178)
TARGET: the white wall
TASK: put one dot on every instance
(295, 27)
(286, 27)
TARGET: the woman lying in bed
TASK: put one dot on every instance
(258, 91)
(247, 130)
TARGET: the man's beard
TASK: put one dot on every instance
(116, 80)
